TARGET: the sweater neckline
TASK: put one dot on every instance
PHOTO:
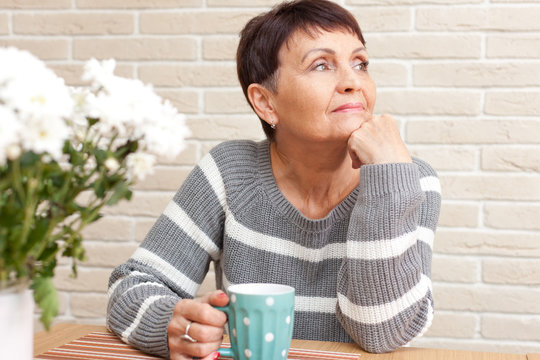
(284, 206)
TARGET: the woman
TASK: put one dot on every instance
(331, 204)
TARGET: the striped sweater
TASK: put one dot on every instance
(361, 274)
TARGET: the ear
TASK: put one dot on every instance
(261, 100)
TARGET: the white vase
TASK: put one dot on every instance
(16, 323)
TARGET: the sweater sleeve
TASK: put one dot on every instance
(170, 264)
(384, 284)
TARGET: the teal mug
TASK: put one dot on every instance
(261, 320)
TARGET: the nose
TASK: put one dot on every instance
(349, 81)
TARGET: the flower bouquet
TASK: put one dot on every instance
(65, 153)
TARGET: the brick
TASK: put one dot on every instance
(520, 216)
(88, 305)
(4, 24)
(86, 280)
(491, 187)
(409, 2)
(164, 178)
(477, 74)
(226, 127)
(428, 102)
(489, 298)
(73, 24)
(107, 254)
(247, 3)
(511, 327)
(408, 46)
(473, 131)
(219, 47)
(138, 4)
(512, 102)
(194, 22)
(511, 271)
(141, 204)
(508, 158)
(185, 101)
(487, 242)
(389, 74)
(136, 48)
(188, 156)
(515, 46)
(455, 269)
(110, 228)
(445, 157)
(457, 214)
(454, 18)
(189, 75)
(142, 227)
(226, 102)
(72, 73)
(35, 4)
(388, 18)
(454, 325)
(45, 49)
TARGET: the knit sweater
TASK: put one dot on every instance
(361, 274)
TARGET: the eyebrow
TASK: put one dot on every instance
(329, 51)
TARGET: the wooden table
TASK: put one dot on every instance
(64, 333)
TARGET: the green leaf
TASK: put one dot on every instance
(46, 298)
(121, 191)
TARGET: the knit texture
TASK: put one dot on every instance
(361, 274)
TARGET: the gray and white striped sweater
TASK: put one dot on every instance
(362, 274)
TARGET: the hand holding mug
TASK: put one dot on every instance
(205, 327)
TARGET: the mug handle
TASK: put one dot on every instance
(227, 352)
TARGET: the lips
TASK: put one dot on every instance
(350, 107)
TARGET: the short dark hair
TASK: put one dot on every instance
(264, 35)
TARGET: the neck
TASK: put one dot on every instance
(315, 178)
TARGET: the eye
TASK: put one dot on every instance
(321, 67)
(363, 66)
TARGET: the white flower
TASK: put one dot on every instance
(139, 165)
(38, 98)
(45, 134)
(112, 164)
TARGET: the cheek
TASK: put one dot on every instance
(370, 93)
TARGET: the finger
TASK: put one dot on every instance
(205, 333)
(212, 356)
(204, 313)
(217, 298)
(201, 350)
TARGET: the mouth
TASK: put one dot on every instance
(350, 107)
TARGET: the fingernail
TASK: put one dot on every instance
(215, 355)
(222, 295)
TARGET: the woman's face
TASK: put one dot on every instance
(324, 90)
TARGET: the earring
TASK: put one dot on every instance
(272, 125)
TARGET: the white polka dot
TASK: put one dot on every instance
(233, 298)
(288, 320)
(247, 352)
(269, 337)
(246, 321)
(234, 332)
(284, 353)
(269, 301)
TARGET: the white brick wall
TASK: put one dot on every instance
(462, 77)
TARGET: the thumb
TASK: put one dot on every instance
(218, 298)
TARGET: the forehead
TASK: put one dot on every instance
(301, 41)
